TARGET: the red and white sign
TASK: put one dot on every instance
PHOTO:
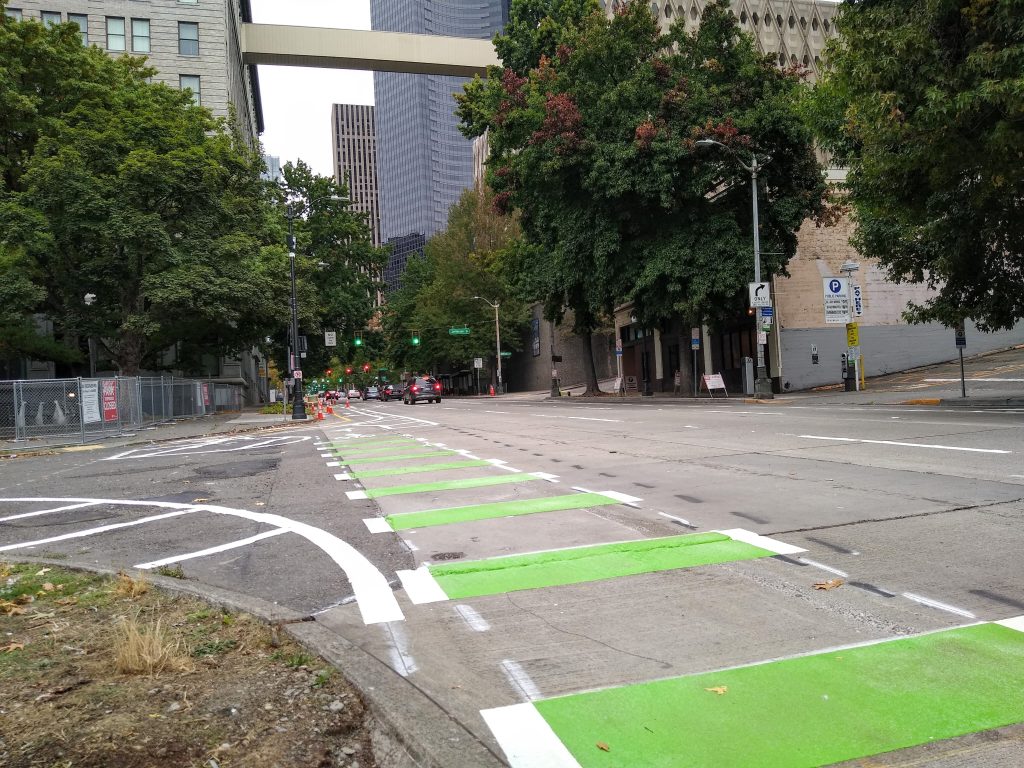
(109, 400)
(206, 394)
(713, 381)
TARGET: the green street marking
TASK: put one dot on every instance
(806, 711)
(498, 575)
(427, 518)
(376, 445)
(450, 485)
(420, 468)
(397, 456)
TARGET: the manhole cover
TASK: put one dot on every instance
(447, 555)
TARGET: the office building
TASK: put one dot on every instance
(354, 138)
(273, 172)
(423, 162)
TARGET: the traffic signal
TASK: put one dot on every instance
(366, 368)
(348, 371)
(359, 339)
(328, 371)
(415, 338)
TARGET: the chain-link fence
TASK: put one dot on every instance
(56, 411)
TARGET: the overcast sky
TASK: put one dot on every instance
(297, 100)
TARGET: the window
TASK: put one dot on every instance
(13, 13)
(140, 35)
(191, 82)
(188, 38)
(50, 18)
(115, 33)
(83, 25)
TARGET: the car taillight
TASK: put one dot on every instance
(437, 387)
(413, 388)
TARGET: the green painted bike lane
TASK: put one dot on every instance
(432, 517)
(805, 711)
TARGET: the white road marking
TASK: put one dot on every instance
(772, 545)
(546, 476)
(412, 547)
(936, 604)
(504, 412)
(1020, 476)
(824, 567)
(682, 520)
(376, 601)
(625, 498)
(526, 738)
(377, 525)
(342, 476)
(945, 381)
(211, 550)
(356, 495)
(589, 418)
(325, 455)
(905, 445)
(44, 512)
(1017, 622)
(502, 464)
(516, 675)
(99, 529)
(474, 620)
(208, 445)
(333, 463)
(421, 587)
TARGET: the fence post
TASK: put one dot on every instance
(19, 413)
(81, 409)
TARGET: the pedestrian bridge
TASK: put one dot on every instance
(365, 50)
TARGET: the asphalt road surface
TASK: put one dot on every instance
(598, 583)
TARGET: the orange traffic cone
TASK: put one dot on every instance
(329, 408)
(492, 390)
(319, 414)
(347, 403)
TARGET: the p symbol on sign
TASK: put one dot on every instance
(835, 286)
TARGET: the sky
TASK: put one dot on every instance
(297, 100)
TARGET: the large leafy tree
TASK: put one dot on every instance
(437, 292)
(337, 267)
(593, 124)
(126, 192)
(924, 100)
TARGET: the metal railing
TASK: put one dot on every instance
(58, 411)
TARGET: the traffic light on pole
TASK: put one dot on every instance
(328, 371)
(359, 339)
(415, 338)
(348, 371)
(366, 368)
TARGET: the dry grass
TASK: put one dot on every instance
(129, 587)
(146, 650)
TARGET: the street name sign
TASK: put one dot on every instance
(458, 331)
(760, 295)
(836, 300)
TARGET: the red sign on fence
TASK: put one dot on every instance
(206, 394)
(109, 400)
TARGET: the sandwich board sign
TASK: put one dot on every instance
(713, 381)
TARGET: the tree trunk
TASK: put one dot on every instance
(589, 368)
(129, 354)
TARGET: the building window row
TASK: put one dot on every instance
(117, 37)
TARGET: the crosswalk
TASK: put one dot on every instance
(888, 692)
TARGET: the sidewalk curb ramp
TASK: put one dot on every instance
(408, 729)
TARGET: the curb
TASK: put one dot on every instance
(408, 729)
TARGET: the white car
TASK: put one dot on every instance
(354, 394)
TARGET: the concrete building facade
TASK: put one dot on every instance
(423, 162)
(191, 44)
(354, 140)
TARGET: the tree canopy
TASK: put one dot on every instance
(594, 143)
(924, 101)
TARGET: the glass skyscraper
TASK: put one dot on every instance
(423, 162)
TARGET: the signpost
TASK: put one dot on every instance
(961, 344)
(836, 300)
(694, 347)
(760, 295)
(330, 339)
(463, 331)
(858, 301)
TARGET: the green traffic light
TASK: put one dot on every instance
(415, 340)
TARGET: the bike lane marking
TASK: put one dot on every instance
(883, 695)
(376, 601)
(443, 485)
(577, 565)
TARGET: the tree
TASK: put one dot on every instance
(126, 190)
(337, 266)
(924, 100)
(464, 261)
(595, 145)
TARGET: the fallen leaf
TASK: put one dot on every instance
(23, 599)
(261, 504)
(12, 647)
(199, 501)
(603, 747)
(44, 571)
(718, 689)
(48, 587)
(66, 601)
(830, 584)
(11, 609)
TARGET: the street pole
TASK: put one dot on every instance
(298, 401)
(555, 391)
(963, 381)
(497, 343)
(762, 384)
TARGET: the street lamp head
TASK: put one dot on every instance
(849, 266)
(89, 299)
(708, 143)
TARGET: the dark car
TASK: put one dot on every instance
(391, 392)
(371, 393)
(422, 388)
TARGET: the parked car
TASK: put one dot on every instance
(422, 388)
(392, 392)
(371, 393)
(353, 393)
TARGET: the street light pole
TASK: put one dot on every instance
(762, 384)
(497, 334)
(298, 398)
